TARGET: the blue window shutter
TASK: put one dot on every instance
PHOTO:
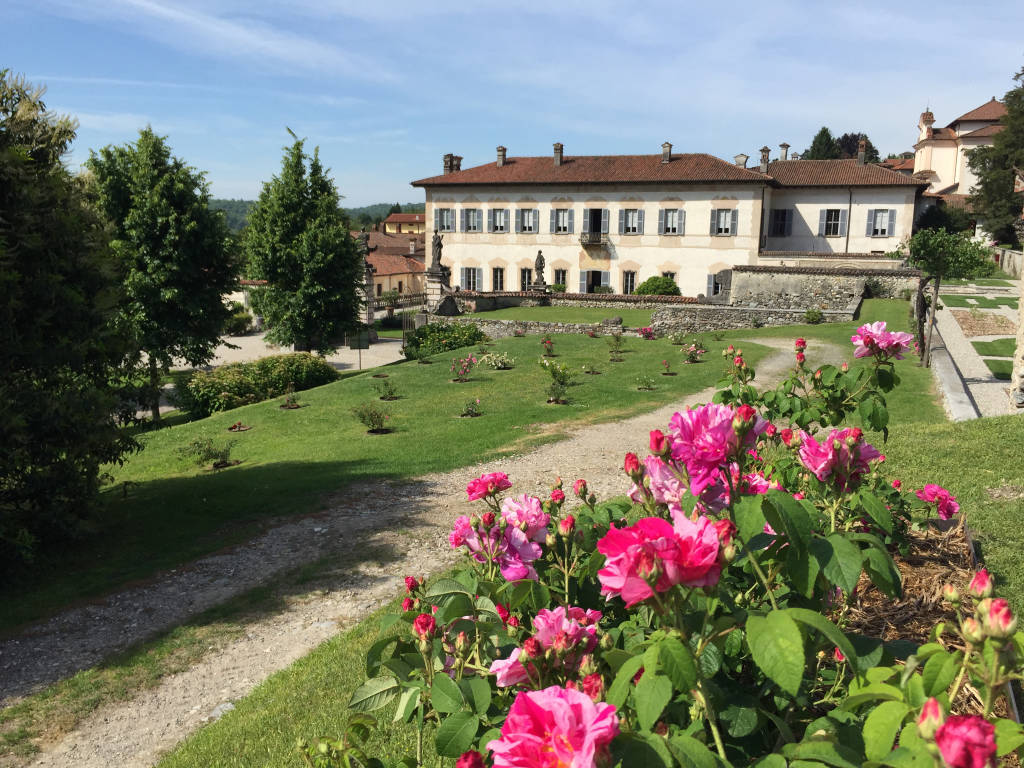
(606, 279)
(519, 220)
(714, 217)
(871, 222)
(734, 222)
(508, 219)
(892, 223)
(789, 222)
(585, 224)
(480, 278)
(490, 219)
(462, 220)
(711, 286)
(437, 219)
(681, 218)
(583, 281)
(536, 220)
(462, 282)
(821, 222)
(640, 221)
(661, 221)
(571, 216)
(604, 221)
(551, 226)
(843, 214)
(622, 220)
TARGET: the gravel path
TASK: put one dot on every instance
(378, 533)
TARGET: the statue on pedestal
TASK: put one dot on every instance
(538, 283)
(436, 243)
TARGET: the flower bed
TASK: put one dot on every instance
(716, 616)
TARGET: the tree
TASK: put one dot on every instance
(993, 199)
(823, 146)
(298, 242)
(59, 347)
(940, 254)
(944, 216)
(175, 253)
(658, 285)
(396, 208)
(849, 146)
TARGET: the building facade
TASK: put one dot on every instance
(940, 154)
(611, 222)
(405, 223)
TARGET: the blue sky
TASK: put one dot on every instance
(386, 88)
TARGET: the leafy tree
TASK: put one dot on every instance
(396, 208)
(59, 349)
(175, 252)
(849, 143)
(943, 216)
(993, 198)
(940, 254)
(236, 212)
(823, 146)
(658, 285)
(298, 242)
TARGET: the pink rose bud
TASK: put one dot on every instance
(503, 613)
(659, 443)
(897, 484)
(838, 656)
(557, 496)
(567, 525)
(971, 630)
(967, 741)
(471, 759)
(423, 626)
(798, 496)
(513, 621)
(800, 358)
(998, 620)
(770, 430)
(593, 686)
(786, 435)
(631, 465)
(580, 488)
(461, 642)
(738, 361)
(800, 344)
(407, 604)
(725, 530)
(817, 374)
(487, 518)
(981, 585)
(411, 583)
(951, 594)
(730, 349)
(845, 367)
(930, 719)
(532, 648)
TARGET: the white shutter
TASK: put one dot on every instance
(714, 220)
(734, 222)
(490, 219)
(463, 281)
(640, 221)
(551, 225)
(661, 221)
(571, 215)
(462, 219)
(606, 279)
(604, 221)
(622, 220)
(843, 213)
(585, 224)
(479, 279)
(508, 219)
(681, 221)
(519, 220)
(821, 222)
(891, 232)
(871, 222)
(583, 281)
(437, 219)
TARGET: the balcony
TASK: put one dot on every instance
(593, 238)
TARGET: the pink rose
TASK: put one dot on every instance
(593, 686)
(576, 626)
(873, 340)
(580, 488)
(800, 358)
(567, 525)
(981, 585)
(471, 759)
(967, 741)
(557, 496)
(841, 458)
(945, 502)
(725, 530)
(411, 583)
(423, 626)
(510, 671)
(525, 512)
(407, 604)
(487, 485)
(930, 719)
(997, 618)
(659, 443)
(555, 727)
(705, 439)
(631, 465)
(666, 487)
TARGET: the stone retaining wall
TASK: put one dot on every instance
(501, 329)
(810, 287)
(474, 301)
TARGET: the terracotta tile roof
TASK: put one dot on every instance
(397, 244)
(837, 173)
(987, 131)
(939, 134)
(390, 264)
(600, 169)
(404, 218)
(953, 200)
(991, 110)
(899, 163)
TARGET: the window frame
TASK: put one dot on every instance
(499, 283)
(628, 281)
(884, 231)
(565, 277)
(671, 228)
(534, 218)
(726, 215)
(562, 221)
(634, 228)
(525, 278)
(502, 228)
(474, 220)
(835, 225)
(779, 221)
(446, 213)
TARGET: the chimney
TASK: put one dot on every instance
(765, 151)
(501, 156)
(796, 156)
(456, 163)
(741, 160)
(558, 153)
(785, 151)
(862, 150)
(448, 163)
(666, 152)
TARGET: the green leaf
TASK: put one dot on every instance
(452, 606)
(376, 651)
(939, 671)
(445, 696)
(828, 629)
(653, 694)
(691, 753)
(678, 664)
(881, 727)
(487, 737)
(633, 750)
(742, 720)
(1009, 736)
(788, 515)
(443, 587)
(839, 559)
(749, 518)
(882, 571)
(477, 693)
(876, 510)
(823, 751)
(802, 570)
(406, 704)
(778, 649)
(770, 761)
(619, 688)
(531, 594)
(455, 734)
(373, 694)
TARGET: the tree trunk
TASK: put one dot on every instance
(931, 323)
(154, 385)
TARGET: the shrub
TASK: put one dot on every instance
(558, 287)
(813, 316)
(499, 361)
(237, 384)
(441, 337)
(462, 367)
(204, 451)
(557, 392)
(372, 416)
(239, 322)
(386, 389)
(559, 372)
(603, 289)
(644, 383)
(657, 286)
(472, 408)
(646, 333)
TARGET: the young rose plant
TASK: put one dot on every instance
(699, 619)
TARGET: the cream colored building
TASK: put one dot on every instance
(405, 223)
(940, 155)
(617, 220)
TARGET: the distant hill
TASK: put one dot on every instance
(237, 212)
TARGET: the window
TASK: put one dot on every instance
(632, 220)
(470, 279)
(474, 220)
(525, 278)
(499, 219)
(628, 282)
(399, 286)
(498, 279)
(561, 277)
(723, 221)
(380, 288)
(832, 222)
(671, 222)
(881, 222)
(782, 222)
(527, 220)
(562, 218)
(670, 275)
(444, 219)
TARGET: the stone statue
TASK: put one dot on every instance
(435, 251)
(538, 267)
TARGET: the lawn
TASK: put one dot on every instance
(631, 318)
(1001, 369)
(983, 302)
(987, 281)
(162, 511)
(997, 348)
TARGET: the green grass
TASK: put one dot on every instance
(174, 512)
(1001, 369)
(983, 302)
(631, 318)
(999, 348)
(989, 281)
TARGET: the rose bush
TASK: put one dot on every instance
(701, 620)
